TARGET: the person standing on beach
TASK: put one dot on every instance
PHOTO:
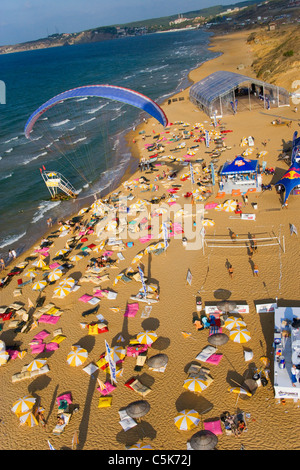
(255, 270)
(2, 264)
(12, 254)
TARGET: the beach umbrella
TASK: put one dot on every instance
(233, 323)
(64, 227)
(117, 353)
(218, 339)
(39, 285)
(99, 247)
(138, 409)
(61, 252)
(77, 356)
(219, 207)
(111, 226)
(208, 223)
(240, 335)
(31, 274)
(137, 257)
(195, 384)
(2, 345)
(157, 361)
(203, 440)
(4, 356)
(40, 263)
(55, 275)
(36, 364)
(61, 291)
(226, 306)
(83, 210)
(76, 258)
(140, 446)
(247, 152)
(240, 391)
(146, 337)
(29, 419)
(23, 404)
(229, 205)
(68, 282)
(187, 420)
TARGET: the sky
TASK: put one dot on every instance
(27, 20)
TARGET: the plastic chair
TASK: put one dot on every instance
(220, 195)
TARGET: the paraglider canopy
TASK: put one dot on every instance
(116, 93)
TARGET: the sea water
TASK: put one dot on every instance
(156, 65)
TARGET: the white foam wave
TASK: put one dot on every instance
(61, 123)
(11, 239)
(43, 208)
(10, 140)
(85, 122)
(34, 158)
(79, 140)
(82, 99)
(9, 150)
(93, 111)
(38, 138)
(6, 176)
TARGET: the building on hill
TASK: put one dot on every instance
(223, 93)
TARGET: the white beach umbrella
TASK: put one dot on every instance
(23, 404)
(61, 291)
(195, 384)
(146, 337)
(39, 285)
(229, 205)
(55, 275)
(77, 356)
(187, 420)
(233, 323)
(240, 335)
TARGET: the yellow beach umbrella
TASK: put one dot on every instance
(146, 337)
(61, 252)
(99, 247)
(219, 207)
(4, 356)
(39, 285)
(39, 263)
(36, 364)
(233, 323)
(55, 275)
(137, 257)
(28, 419)
(240, 335)
(187, 419)
(117, 354)
(63, 228)
(208, 223)
(195, 384)
(77, 356)
(68, 282)
(23, 404)
(240, 391)
(76, 258)
(83, 210)
(140, 446)
(30, 274)
(247, 152)
(229, 205)
(61, 291)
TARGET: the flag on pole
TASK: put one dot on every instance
(192, 173)
(189, 277)
(143, 281)
(30, 304)
(215, 120)
(206, 138)
(75, 441)
(111, 362)
(50, 446)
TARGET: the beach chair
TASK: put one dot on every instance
(236, 192)
(138, 387)
(251, 190)
(220, 195)
(59, 428)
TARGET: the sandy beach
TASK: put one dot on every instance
(271, 425)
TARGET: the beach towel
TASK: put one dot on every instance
(52, 346)
(213, 426)
(108, 388)
(146, 238)
(206, 353)
(85, 298)
(214, 359)
(37, 348)
(131, 310)
(214, 330)
(51, 319)
(41, 336)
(54, 265)
(66, 396)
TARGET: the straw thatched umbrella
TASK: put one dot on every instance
(157, 361)
(227, 306)
(203, 440)
(137, 409)
(218, 339)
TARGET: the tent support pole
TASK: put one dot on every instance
(249, 98)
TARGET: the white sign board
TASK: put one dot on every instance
(211, 309)
(248, 216)
(265, 308)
